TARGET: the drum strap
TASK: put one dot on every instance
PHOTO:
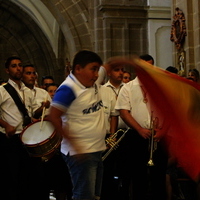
(13, 93)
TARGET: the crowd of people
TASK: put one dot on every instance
(87, 108)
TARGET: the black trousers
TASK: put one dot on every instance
(24, 177)
(15, 169)
(136, 181)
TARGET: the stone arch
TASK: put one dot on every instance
(20, 35)
(75, 23)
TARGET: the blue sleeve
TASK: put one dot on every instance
(64, 96)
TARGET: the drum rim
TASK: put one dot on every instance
(48, 152)
(33, 145)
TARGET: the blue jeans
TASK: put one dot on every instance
(86, 171)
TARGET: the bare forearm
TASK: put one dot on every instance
(113, 124)
(3, 123)
(129, 120)
(55, 118)
(132, 123)
(57, 124)
(9, 130)
(38, 113)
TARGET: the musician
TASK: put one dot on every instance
(46, 80)
(42, 97)
(53, 174)
(115, 84)
(110, 91)
(15, 162)
(111, 120)
(132, 105)
(51, 89)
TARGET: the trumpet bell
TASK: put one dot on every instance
(150, 163)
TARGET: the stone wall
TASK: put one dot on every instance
(20, 35)
(108, 27)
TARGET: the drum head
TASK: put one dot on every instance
(35, 133)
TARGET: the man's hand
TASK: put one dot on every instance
(145, 133)
(10, 130)
(46, 104)
(38, 113)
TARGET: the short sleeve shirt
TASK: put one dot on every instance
(83, 116)
(9, 112)
(131, 98)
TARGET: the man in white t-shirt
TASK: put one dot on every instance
(77, 113)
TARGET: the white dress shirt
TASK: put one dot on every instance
(9, 112)
(40, 96)
(116, 91)
(131, 98)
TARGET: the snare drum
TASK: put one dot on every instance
(41, 140)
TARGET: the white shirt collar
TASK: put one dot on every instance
(22, 85)
(109, 84)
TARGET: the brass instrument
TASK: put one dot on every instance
(152, 142)
(112, 144)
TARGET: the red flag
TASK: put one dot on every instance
(176, 102)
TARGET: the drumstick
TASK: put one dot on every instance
(42, 118)
(43, 112)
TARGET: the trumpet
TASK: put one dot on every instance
(152, 142)
(112, 144)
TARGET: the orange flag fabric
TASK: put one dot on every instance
(175, 101)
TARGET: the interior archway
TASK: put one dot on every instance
(20, 35)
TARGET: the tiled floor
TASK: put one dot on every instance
(185, 190)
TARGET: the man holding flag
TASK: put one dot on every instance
(174, 101)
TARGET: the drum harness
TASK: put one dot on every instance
(21, 106)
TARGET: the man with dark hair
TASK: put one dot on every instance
(52, 174)
(51, 89)
(77, 113)
(46, 80)
(84, 57)
(15, 161)
(10, 59)
(138, 168)
(42, 97)
(172, 69)
(148, 58)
